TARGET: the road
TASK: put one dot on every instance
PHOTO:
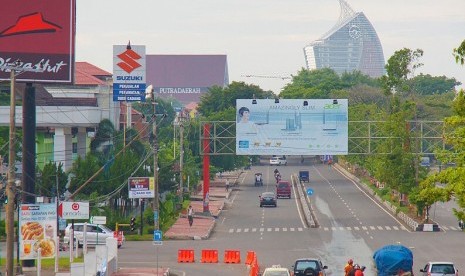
(351, 225)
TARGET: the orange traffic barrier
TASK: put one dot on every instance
(232, 256)
(250, 257)
(209, 256)
(186, 256)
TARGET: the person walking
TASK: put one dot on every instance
(227, 185)
(190, 215)
(349, 266)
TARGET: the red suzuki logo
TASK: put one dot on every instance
(129, 61)
(75, 206)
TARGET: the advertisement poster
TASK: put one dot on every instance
(141, 187)
(38, 229)
(291, 127)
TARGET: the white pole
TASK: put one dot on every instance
(84, 247)
(39, 260)
(57, 252)
(71, 246)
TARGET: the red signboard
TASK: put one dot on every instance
(41, 35)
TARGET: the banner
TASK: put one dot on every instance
(38, 229)
(292, 127)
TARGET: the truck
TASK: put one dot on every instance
(304, 176)
(393, 260)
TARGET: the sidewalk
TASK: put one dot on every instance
(204, 223)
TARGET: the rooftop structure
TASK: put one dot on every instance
(352, 44)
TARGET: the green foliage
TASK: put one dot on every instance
(52, 178)
(459, 53)
(399, 68)
(429, 85)
(219, 99)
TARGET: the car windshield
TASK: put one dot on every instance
(282, 185)
(443, 268)
(267, 195)
(276, 273)
(106, 229)
(302, 265)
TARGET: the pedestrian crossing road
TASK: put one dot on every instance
(349, 228)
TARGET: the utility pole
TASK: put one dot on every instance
(10, 212)
(150, 94)
(181, 156)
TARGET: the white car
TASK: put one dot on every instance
(96, 234)
(276, 270)
(278, 161)
(439, 269)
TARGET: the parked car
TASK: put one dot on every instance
(439, 269)
(268, 199)
(283, 189)
(276, 270)
(95, 233)
(309, 266)
(278, 161)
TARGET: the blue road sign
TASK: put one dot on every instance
(157, 237)
(309, 191)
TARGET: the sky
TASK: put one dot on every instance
(264, 39)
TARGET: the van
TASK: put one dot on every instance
(283, 189)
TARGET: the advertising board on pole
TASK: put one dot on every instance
(73, 210)
(129, 73)
(41, 36)
(141, 187)
(292, 127)
(38, 229)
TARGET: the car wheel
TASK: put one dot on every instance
(261, 206)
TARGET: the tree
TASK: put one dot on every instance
(453, 178)
(400, 67)
(52, 178)
(459, 53)
(313, 84)
(429, 85)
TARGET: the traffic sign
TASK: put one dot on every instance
(157, 237)
(309, 191)
(98, 219)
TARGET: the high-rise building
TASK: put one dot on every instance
(352, 44)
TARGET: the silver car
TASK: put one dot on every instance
(96, 233)
(439, 269)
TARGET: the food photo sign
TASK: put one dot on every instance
(38, 229)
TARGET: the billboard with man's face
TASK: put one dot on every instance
(292, 127)
(41, 36)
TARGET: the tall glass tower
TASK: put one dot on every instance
(352, 44)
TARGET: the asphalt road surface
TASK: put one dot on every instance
(351, 225)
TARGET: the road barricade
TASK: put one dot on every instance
(232, 257)
(186, 256)
(250, 257)
(209, 256)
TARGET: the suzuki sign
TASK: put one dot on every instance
(129, 70)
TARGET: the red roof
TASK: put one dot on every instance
(87, 74)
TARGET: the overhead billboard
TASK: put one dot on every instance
(292, 127)
(129, 73)
(41, 35)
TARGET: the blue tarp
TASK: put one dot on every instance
(391, 259)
